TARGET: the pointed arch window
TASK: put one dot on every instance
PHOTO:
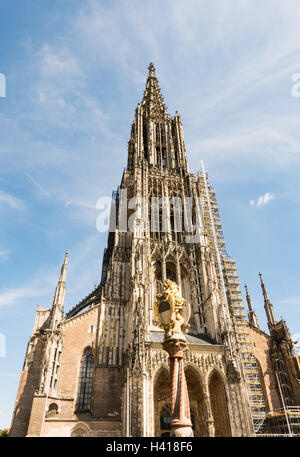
(86, 373)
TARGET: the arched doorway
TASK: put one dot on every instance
(197, 407)
(162, 402)
(218, 403)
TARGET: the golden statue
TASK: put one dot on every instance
(172, 311)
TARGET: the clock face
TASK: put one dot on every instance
(165, 311)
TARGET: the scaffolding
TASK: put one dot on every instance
(282, 422)
(227, 273)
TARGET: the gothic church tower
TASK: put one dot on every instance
(99, 369)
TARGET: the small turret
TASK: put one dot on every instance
(251, 313)
(59, 296)
(268, 305)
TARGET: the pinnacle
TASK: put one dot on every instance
(153, 102)
(265, 294)
(248, 298)
(151, 69)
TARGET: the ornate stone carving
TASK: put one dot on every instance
(174, 304)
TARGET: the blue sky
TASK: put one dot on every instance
(75, 72)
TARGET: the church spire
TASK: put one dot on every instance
(155, 136)
(268, 305)
(251, 314)
(59, 296)
(153, 103)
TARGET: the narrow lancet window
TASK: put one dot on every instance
(84, 397)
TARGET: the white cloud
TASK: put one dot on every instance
(60, 90)
(4, 254)
(16, 296)
(58, 62)
(262, 200)
(278, 142)
(10, 200)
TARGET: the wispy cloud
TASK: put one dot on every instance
(83, 274)
(59, 63)
(34, 181)
(262, 200)
(11, 201)
(291, 301)
(37, 289)
(62, 93)
(4, 254)
(16, 296)
(9, 375)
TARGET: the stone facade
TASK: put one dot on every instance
(99, 369)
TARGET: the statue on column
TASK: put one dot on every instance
(173, 313)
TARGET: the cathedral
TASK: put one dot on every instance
(100, 369)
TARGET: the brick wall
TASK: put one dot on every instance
(261, 352)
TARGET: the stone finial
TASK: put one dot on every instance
(151, 69)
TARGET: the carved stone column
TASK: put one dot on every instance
(180, 412)
(208, 412)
